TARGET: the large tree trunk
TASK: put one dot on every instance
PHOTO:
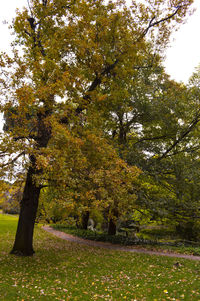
(23, 244)
(28, 209)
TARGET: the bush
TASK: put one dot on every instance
(101, 236)
(189, 230)
(121, 239)
(11, 207)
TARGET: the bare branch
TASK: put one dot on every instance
(44, 2)
(28, 33)
(30, 8)
(13, 160)
(24, 137)
(152, 23)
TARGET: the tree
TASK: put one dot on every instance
(168, 154)
(69, 51)
(91, 176)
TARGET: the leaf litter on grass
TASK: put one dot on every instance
(67, 271)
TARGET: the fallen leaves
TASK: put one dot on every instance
(66, 271)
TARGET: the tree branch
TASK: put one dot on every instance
(13, 160)
(24, 137)
(35, 35)
(98, 79)
(152, 24)
(108, 69)
(186, 150)
(44, 2)
(152, 138)
(177, 141)
(96, 82)
(30, 8)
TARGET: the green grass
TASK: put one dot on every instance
(119, 239)
(66, 271)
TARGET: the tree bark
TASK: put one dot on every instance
(84, 221)
(112, 228)
(112, 224)
(23, 245)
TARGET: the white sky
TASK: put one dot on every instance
(184, 54)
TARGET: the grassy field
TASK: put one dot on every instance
(65, 271)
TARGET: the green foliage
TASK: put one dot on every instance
(189, 229)
(51, 209)
(11, 207)
(10, 196)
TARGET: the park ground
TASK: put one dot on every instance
(62, 270)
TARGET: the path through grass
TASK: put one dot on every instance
(66, 271)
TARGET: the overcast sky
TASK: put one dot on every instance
(184, 54)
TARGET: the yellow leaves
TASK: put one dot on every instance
(102, 97)
(42, 162)
(43, 92)
(25, 95)
(89, 165)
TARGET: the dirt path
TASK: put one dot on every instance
(110, 246)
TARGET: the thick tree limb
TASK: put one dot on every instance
(96, 82)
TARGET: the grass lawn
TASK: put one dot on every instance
(66, 271)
